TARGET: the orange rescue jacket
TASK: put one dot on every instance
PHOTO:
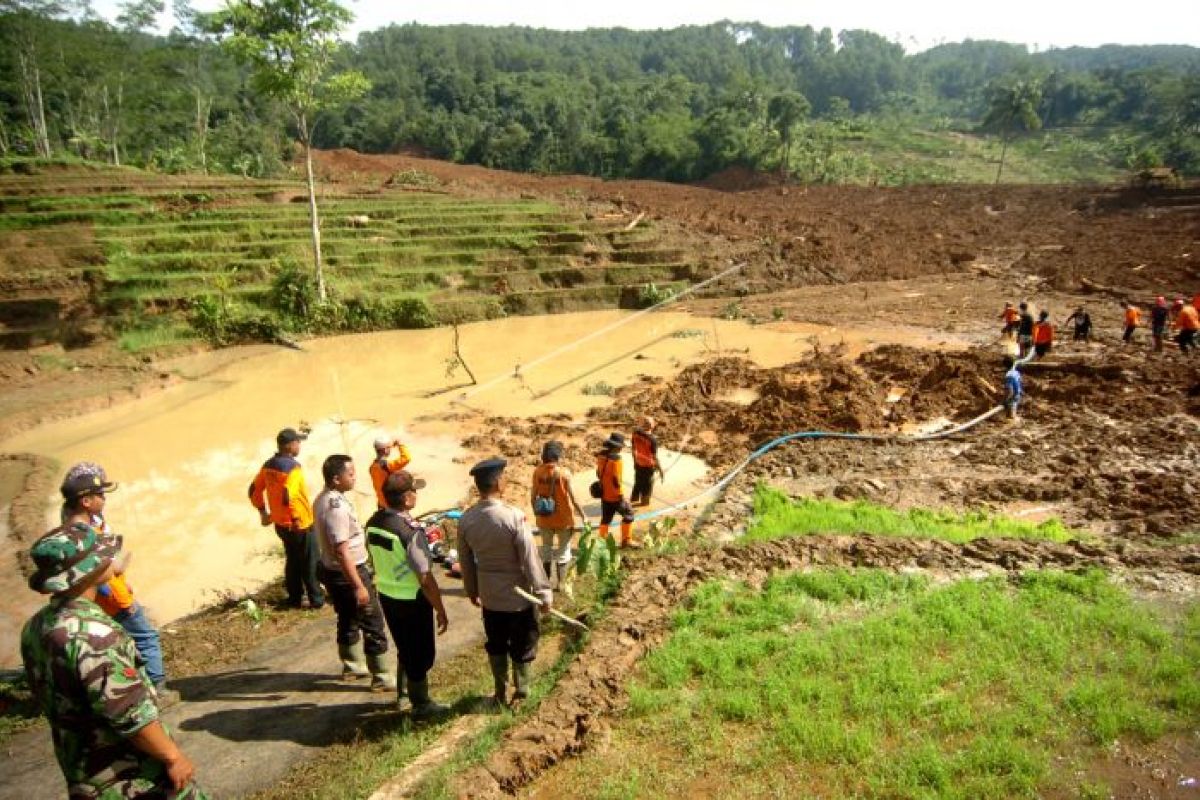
(1189, 319)
(645, 449)
(1043, 333)
(280, 489)
(1132, 317)
(382, 467)
(608, 470)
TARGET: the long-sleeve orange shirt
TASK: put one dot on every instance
(1132, 317)
(1043, 333)
(608, 470)
(1188, 319)
(382, 467)
(280, 489)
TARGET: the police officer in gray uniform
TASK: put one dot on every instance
(498, 553)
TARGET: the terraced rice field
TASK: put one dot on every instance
(131, 251)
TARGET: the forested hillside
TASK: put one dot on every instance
(674, 104)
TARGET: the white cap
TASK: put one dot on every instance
(383, 443)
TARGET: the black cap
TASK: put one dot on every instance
(77, 486)
(552, 450)
(615, 441)
(289, 435)
(489, 465)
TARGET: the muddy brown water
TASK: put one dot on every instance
(185, 456)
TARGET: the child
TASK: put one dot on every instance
(1013, 388)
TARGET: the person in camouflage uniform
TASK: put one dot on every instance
(85, 674)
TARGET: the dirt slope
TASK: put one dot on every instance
(834, 234)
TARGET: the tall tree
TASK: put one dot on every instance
(290, 46)
(786, 111)
(28, 29)
(1012, 107)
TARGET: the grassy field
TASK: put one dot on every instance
(896, 151)
(777, 515)
(871, 684)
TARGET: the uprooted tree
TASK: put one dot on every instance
(289, 46)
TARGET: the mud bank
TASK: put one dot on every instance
(577, 712)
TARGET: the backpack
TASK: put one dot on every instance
(544, 506)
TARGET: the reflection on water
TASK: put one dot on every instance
(185, 457)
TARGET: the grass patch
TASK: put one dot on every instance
(18, 711)
(872, 684)
(150, 338)
(776, 515)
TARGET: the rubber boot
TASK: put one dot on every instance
(547, 568)
(602, 531)
(499, 666)
(400, 679)
(565, 584)
(422, 706)
(353, 664)
(382, 679)
(520, 680)
(626, 534)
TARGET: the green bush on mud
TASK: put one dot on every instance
(776, 515)
(873, 684)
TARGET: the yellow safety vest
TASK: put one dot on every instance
(394, 576)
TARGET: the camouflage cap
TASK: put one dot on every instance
(66, 556)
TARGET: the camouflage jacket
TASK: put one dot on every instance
(86, 676)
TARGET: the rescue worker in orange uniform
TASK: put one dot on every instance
(1188, 322)
(1010, 317)
(554, 509)
(645, 463)
(612, 495)
(383, 466)
(1043, 334)
(1133, 318)
(280, 494)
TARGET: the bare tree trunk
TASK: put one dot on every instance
(1003, 153)
(116, 126)
(203, 110)
(31, 88)
(322, 296)
(3, 138)
(458, 354)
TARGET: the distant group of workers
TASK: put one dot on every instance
(1038, 336)
(94, 661)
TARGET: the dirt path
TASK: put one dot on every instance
(247, 727)
(638, 619)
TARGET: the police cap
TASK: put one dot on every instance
(488, 468)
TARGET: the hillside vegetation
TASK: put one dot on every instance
(677, 105)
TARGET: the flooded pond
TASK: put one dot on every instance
(184, 457)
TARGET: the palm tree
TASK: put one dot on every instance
(1012, 106)
(785, 112)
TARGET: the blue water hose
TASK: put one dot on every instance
(791, 437)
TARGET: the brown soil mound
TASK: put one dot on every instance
(639, 619)
(837, 234)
